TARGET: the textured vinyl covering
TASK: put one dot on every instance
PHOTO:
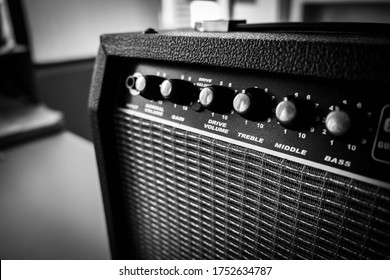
(188, 196)
(334, 55)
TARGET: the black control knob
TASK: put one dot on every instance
(294, 113)
(178, 91)
(217, 99)
(146, 86)
(338, 122)
(254, 104)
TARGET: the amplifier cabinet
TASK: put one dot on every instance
(244, 145)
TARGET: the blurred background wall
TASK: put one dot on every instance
(70, 30)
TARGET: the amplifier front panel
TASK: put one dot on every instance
(191, 196)
(204, 185)
(355, 155)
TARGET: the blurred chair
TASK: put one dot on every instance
(22, 115)
(50, 200)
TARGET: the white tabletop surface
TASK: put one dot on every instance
(50, 201)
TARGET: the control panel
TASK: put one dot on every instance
(339, 125)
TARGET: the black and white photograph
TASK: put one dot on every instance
(188, 130)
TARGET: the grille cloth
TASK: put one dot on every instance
(189, 196)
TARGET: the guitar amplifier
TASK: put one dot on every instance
(256, 142)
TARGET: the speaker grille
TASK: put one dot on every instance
(188, 196)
